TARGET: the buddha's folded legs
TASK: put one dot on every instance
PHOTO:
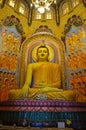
(33, 92)
(37, 93)
(62, 95)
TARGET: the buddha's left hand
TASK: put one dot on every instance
(50, 89)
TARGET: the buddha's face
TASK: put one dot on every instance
(42, 54)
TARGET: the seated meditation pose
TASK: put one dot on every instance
(46, 80)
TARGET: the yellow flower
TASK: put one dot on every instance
(68, 122)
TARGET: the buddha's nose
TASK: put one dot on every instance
(42, 54)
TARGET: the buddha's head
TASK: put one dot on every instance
(42, 53)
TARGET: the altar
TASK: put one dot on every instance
(46, 112)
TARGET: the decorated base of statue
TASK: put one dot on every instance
(42, 113)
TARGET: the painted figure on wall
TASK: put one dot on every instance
(7, 82)
(46, 80)
(11, 37)
(8, 61)
(75, 39)
(10, 43)
(76, 62)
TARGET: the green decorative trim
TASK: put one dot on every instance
(13, 21)
(74, 20)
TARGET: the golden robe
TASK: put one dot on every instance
(47, 82)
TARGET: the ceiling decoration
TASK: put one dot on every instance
(42, 5)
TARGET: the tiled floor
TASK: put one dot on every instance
(31, 128)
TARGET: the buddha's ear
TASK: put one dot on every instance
(36, 57)
(48, 58)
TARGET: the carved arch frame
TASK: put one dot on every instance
(35, 40)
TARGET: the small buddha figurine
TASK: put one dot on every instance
(47, 80)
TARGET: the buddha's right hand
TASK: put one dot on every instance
(25, 91)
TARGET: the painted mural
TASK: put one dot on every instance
(75, 44)
(11, 37)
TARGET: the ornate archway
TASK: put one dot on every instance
(40, 36)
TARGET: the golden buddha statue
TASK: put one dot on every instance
(47, 80)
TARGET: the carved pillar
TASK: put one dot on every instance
(30, 14)
(57, 12)
(2, 2)
(57, 15)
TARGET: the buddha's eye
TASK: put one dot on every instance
(45, 51)
(39, 51)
